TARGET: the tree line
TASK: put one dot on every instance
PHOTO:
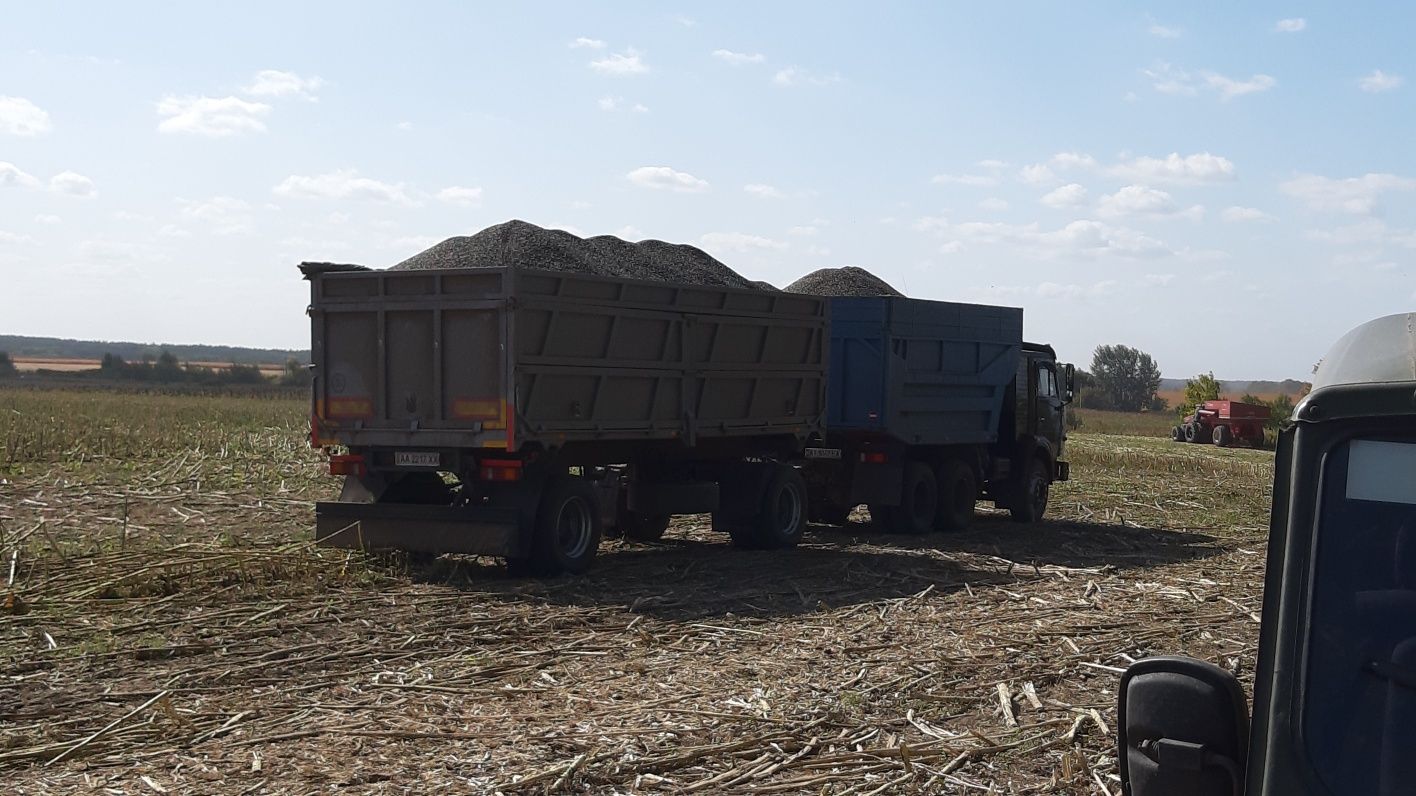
(1125, 379)
(166, 368)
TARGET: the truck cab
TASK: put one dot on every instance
(1334, 707)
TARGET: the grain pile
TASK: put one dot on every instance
(848, 280)
(518, 244)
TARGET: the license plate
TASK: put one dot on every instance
(416, 459)
(823, 453)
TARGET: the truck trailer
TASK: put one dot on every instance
(521, 413)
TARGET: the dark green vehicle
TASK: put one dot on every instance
(1334, 709)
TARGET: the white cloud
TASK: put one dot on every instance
(737, 242)
(73, 184)
(211, 116)
(1073, 160)
(1069, 195)
(665, 178)
(975, 180)
(685, 20)
(460, 195)
(1071, 292)
(796, 76)
(1379, 81)
(47, 218)
(620, 64)
(1159, 279)
(612, 103)
(1165, 31)
(993, 163)
(1136, 200)
(739, 59)
(1085, 238)
(763, 191)
(1229, 88)
(275, 83)
(1169, 79)
(583, 42)
(1357, 195)
(994, 204)
(1290, 25)
(630, 232)
(342, 184)
(13, 237)
(1036, 173)
(11, 175)
(1200, 167)
(404, 126)
(803, 231)
(1236, 214)
(19, 116)
(817, 251)
(173, 231)
(223, 215)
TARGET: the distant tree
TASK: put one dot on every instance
(1280, 412)
(112, 364)
(294, 374)
(1158, 404)
(167, 367)
(1124, 378)
(1204, 387)
(7, 366)
(245, 374)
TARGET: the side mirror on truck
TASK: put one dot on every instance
(1184, 729)
(1069, 383)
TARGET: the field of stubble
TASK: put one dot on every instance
(166, 627)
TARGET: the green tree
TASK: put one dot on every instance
(295, 374)
(1204, 387)
(7, 366)
(1124, 378)
(1280, 412)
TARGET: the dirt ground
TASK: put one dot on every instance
(167, 629)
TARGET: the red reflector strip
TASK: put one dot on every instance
(874, 457)
(346, 464)
(349, 407)
(500, 473)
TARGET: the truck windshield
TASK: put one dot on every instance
(1359, 698)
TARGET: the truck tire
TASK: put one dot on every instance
(958, 492)
(919, 501)
(643, 527)
(1177, 434)
(1191, 432)
(781, 514)
(566, 531)
(1030, 500)
(1222, 436)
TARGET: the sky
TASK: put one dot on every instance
(1227, 186)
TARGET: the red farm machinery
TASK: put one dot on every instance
(1223, 423)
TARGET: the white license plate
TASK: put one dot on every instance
(823, 453)
(416, 459)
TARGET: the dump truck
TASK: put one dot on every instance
(1334, 703)
(522, 414)
(1223, 422)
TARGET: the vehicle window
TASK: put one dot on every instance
(1359, 700)
(1046, 382)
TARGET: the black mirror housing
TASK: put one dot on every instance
(1184, 729)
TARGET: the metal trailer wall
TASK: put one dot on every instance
(498, 358)
(923, 372)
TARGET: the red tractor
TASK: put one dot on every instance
(1223, 422)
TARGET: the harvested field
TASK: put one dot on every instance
(167, 628)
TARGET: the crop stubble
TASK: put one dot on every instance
(168, 595)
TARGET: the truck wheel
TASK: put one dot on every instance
(919, 501)
(566, 531)
(1030, 502)
(1177, 434)
(958, 492)
(643, 527)
(781, 514)
(1191, 433)
(1222, 436)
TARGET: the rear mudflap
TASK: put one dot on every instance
(473, 530)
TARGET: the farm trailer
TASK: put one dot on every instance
(1222, 422)
(520, 413)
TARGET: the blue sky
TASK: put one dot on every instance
(1226, 186)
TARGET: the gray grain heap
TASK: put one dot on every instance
(845, 281)
(518, 244)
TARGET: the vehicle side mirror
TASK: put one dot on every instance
(1069, 381)
(1184, 729)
